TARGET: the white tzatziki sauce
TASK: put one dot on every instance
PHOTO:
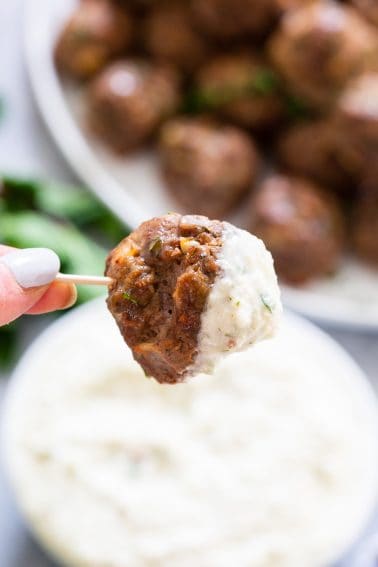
(270, 462)
(244, 304)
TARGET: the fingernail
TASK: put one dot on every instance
(72, 299)
(32, 267)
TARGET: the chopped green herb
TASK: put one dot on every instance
(129, 297)
(155, 245)
(267, 302)
(264, 82)
(296, 108)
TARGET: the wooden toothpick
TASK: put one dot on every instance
(83, 280)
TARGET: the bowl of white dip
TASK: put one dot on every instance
(263, 464)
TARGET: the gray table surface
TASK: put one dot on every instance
(25, 147)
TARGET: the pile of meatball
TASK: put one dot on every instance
(266, 105)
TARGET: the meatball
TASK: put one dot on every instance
(300, 224)
(187, 290)
(319, 47)
(368, 9)
(242, 88)
(97, 31)
(128, 100)
(291, 4)
(315, 150)
(208, 167)
(231, 19)
(171, 37)
(357, 115)
(365, 219)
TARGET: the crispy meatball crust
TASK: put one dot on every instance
(170, 36)
(300, 225)
(163, 273)
(208, 167)
(128, 100)
(97, 31)
(321, 46)
(242, 88)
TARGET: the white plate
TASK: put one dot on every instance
(34, 381)
(132, 189)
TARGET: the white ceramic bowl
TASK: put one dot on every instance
(88, 338)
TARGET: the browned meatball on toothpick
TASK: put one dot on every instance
(318, 48)
(208, 167)
(188, 290)
(300, 224)
(128, 101)
(171, 37)
(242, 88)
(97, 31)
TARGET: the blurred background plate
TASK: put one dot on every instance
(132, 189)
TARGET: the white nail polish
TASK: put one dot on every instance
(32, 267)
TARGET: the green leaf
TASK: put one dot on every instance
(77, 253)
(62, 201)
(8, 343)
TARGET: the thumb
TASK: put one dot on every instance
(24, 278)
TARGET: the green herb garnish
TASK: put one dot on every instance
(267, 302)
(296, 108)
(129, 297)
(264, 82)
(155, 245)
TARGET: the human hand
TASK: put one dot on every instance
(27, 283)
